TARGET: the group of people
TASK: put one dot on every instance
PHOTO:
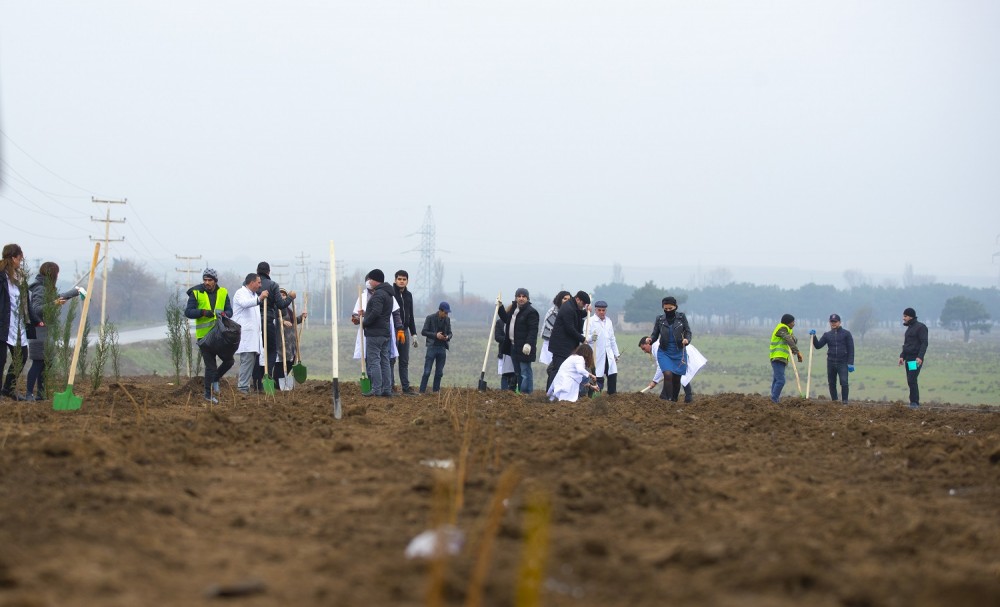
(23, 316)
(840, 354)
(386, 331)
(579, 349)
(261, 307)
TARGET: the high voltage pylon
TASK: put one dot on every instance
(107, 221)
(427, 249)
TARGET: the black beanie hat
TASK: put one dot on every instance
(669, 300)
(910, 312)
(787, 319)
(376, 275)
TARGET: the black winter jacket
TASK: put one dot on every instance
(679, 329)
(274, 301)
(841, 344)
(567, 332)
(405, 301)
(914, 341)
(525, 331)
(434, 324)
(378, 311)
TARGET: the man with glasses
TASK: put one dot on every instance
(839, 356)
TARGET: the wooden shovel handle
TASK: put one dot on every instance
(83, 316)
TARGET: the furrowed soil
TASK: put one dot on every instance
(146, 497)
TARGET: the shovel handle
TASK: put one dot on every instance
(83, 316)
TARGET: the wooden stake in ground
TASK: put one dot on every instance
(337, 412)
(809, 369)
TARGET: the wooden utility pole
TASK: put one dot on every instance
(187, 271)
(107, 221)
(304, 270)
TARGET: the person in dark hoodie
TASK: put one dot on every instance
(269, 316)
(405, 331)
(912, 354)
(839, 357)
(377, 329)
(567, 332)
(205, 302)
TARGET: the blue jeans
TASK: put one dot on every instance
(377, 363)
(438, 354)
(779, 379)
(526, 380)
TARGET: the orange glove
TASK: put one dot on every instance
(401, 336)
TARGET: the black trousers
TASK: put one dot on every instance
(911, 381)
(835, 371)
(8, 382)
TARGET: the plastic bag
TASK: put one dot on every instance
(223, 338)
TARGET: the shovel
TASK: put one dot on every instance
(337, 409)
(791, 361)
(267, 382)
(489, 342)
(67, 401)
(809, 369)
(284, 348)
(364, 382)
(298, 369)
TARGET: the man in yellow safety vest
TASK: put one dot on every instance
(205, 302)
(783, 345)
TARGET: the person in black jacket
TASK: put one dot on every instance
(205, 302)
(912, 354)
(672, 330)
(269, 316)
(567, 332)
(12, 308)
(377, 327)
(405, 331)
(40, 291)
(840, 356)
(521, 332)
(437, 330)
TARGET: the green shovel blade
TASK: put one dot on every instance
(268, 385)
(299, 372)
(366, 384)
(66, 401)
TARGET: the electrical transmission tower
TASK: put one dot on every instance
(425, 271)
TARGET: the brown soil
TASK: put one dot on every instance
(146, 497)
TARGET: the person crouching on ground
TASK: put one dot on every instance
(572, 374)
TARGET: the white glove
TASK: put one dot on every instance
(526, 349)
(82, 292)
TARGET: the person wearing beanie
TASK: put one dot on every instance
(567, 333)
(673, 333)
(206, 302)
(605, 346)
(912, 354)
(783, 345)
(839, 357)
(270, 307)
(521, 336)
(395, 322)
(377, 325)
(437, 330)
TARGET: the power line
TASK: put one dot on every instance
(107, 221)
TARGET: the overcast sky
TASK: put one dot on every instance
(817, 136)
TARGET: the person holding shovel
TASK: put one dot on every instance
(672, 331)
(287, 345)
(376, 323)
(246, 311)
(839, 356)
(912, 354)
(783, 345)
(270, 307)
(43, 302)
(205, 302)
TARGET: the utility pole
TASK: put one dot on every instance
(324, 267)
(107, 221)
(304, 269)
(187, 271)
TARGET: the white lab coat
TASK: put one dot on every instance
(566, 384)
(695, 361)
(359, 306)
(247, 313)
(602, 340)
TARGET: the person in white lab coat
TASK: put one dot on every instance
(246, 311)
(606, 353)
(572, 374)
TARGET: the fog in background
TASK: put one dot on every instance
(782, 142)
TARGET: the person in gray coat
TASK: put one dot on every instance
(42, 294)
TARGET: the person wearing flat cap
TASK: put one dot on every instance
(205, 302)
(567, 332)
(521, 333)
(839, 356)
(606, 353)
(674, 334)
(912, 354)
